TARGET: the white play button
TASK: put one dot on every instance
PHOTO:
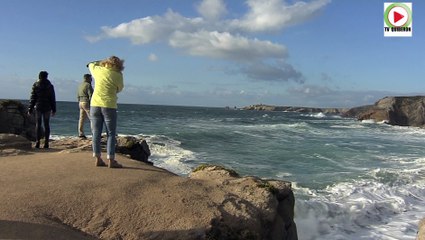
(398, 16)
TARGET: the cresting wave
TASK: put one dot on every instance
(386, 205)
(168, 154)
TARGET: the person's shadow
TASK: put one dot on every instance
(23, 230)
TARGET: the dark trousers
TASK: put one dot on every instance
(45, 118)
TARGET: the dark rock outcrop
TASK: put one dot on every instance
(137, 149)
(401, 111)
(14, 119)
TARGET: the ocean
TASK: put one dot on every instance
(351, 179)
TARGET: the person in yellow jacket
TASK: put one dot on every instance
(109, 82)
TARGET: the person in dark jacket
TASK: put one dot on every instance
(43, 104)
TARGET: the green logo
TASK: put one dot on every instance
(395, 11)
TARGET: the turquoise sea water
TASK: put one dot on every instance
(351, 179)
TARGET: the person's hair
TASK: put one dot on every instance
(43, 75)
(114, 63)
(87, 77)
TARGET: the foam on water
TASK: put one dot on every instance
(298, 125)
(387, 204)
(315, 115)
(167, 153)
(58, 137)
(351, 126)
(282, 175)
(370, 121)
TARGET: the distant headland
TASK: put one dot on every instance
(395, 110)
(264, 107)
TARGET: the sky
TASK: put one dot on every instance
(312, 53)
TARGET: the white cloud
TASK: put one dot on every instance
(151, 29)
(152, 57)
(273, 15)
(212, 9)
(212, 37)
(226, 46)
(266, 15)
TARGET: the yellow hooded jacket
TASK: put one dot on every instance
(108, 82)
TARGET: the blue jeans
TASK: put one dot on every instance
(98, 117)
(45, 117)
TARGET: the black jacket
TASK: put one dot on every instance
(43, 97)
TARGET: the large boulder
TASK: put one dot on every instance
(14, 119)
(402, 111)
(254, 209)
(135, 148)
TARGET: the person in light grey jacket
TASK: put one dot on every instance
(85, 91)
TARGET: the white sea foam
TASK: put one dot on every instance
(375, 208)
(315, 115)
(283, 175)
(373, 121)
(350, 126)
(250, 134)
(368, 121)
(58, 137)
(283, 126)
(167, 153)
(409, 130)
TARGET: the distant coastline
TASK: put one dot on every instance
(396, 110)
(264, 107)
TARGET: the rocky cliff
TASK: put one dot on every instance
(402, 111)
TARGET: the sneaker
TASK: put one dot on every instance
(37, 144)
(82, 136)
(114, 164)
(100, 163)
(46, 145)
